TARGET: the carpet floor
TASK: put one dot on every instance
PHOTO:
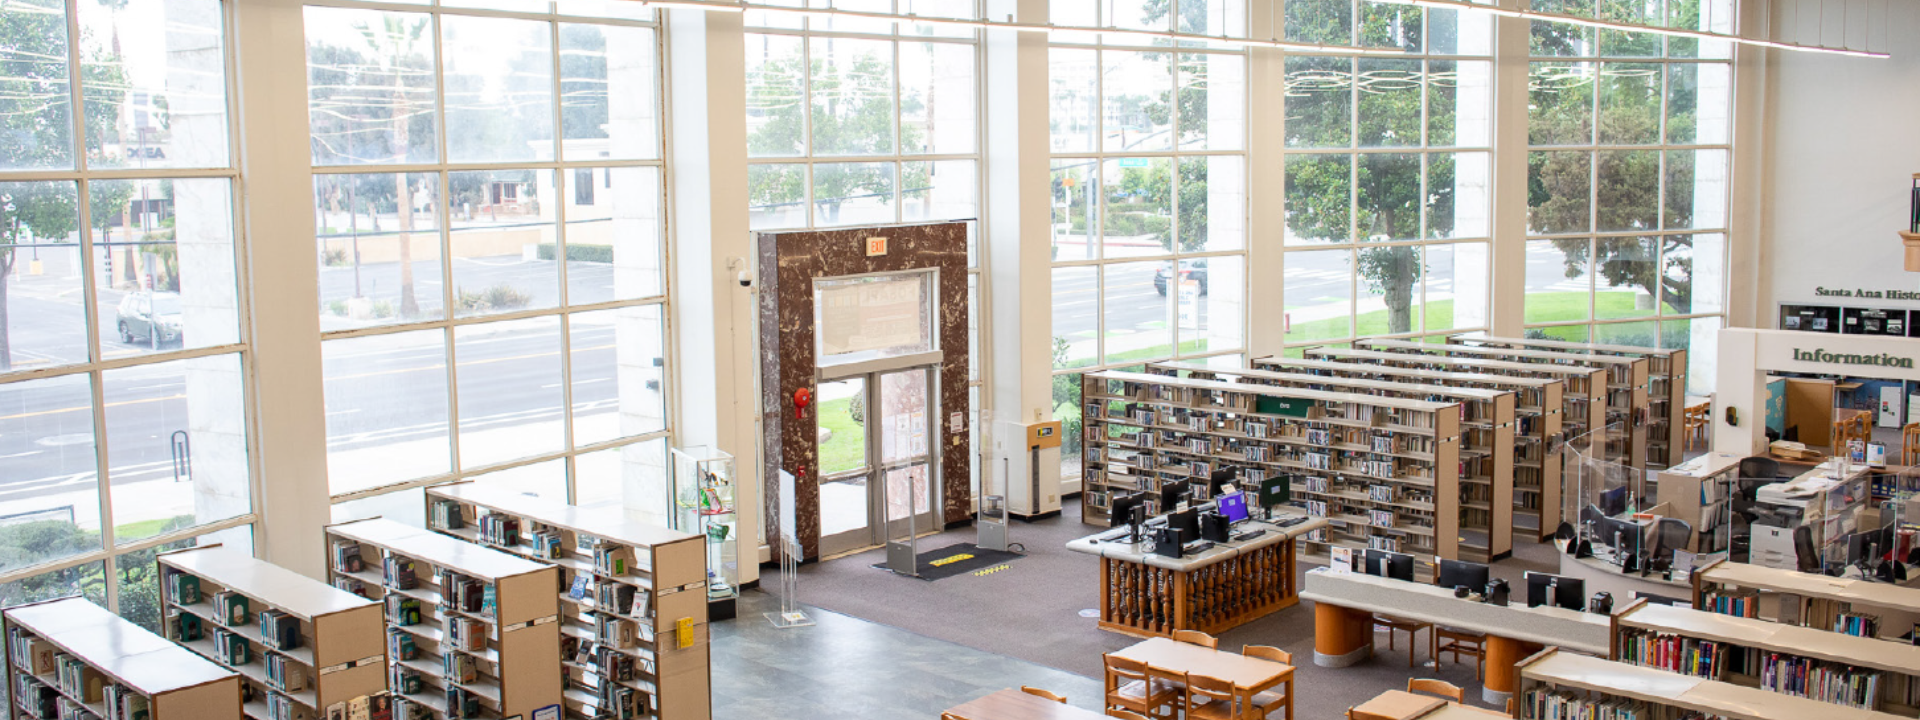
(1037, 610)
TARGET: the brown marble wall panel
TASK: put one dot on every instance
(789, 262)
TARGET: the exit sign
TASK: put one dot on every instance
(876, 246)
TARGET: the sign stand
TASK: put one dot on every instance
(789, 615)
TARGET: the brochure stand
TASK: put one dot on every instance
(789, 615)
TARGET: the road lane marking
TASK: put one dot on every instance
(464, 364)
(122, 403)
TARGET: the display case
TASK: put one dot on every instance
(703, 504)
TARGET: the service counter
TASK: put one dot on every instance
(1150, 595)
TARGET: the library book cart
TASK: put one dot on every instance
(1666, 386)
(634, 633)
(471, 632)
(70, 658)
(1559, 685)
(303, 648)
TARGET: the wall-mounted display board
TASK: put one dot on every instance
(70, 658)
(1810, 318)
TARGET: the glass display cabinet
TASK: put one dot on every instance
(703, 504)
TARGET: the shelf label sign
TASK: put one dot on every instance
(1289, 407)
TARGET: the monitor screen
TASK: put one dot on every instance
(1623, 535)
(1456, 573)
(1388, 564)
(1614, 502)
(1234, 506)
(1171, 495)
(1188, 521)
(1123, 508)
(1275, 491)
(1566, 592)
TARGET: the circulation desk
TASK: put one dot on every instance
(1231, 584)
(1344, 605)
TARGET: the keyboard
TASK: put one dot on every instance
(1245, 536)
(1197, 547)
(1290, 522)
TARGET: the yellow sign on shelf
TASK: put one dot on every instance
(685, 627)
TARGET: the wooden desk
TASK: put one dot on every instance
(1012, 704)
(1244, 672)
(1148, 595)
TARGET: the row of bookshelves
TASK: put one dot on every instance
(71, 659)
(1666, 386)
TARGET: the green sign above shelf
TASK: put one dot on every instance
(1290, 407)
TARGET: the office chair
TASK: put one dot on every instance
(1760, 466)
(1806, 557)
(1669, 534)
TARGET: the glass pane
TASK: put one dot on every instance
(637, 471)
(1456, 278)
(36, 101)
(1389, 103)
(776, 196)
(1628, 277)
(1637, 334)
(974, 360)
(1562, 39)
(370, 88)
(1139, 207)
(43, 314)
(939, 190)
(1319, 295)
(776, 96)
(864, 317)
(1319, 101)
(1699, 98)
(543, 480)
(1320, 21)
(405, 506)
(1558, 287)
(613, 231)
(788, 20)
(1136, 301)
(88, 580)
(904, 483)
(843, 417)
(499, 93)
(1073, 99)
(1615, 43)
(1389, 197)
(609, 9)
(1211, 102)
(831, 23)
(853, 194)
(46, 429)
(1628, 190)
(938, 111)
(1319, 198)
(502, 229)
(176, 445)
(1629, 104)
(608, 96)
(852, 89)
(619, 366)
(1212, 304)
(378, 265)
(168, 279)
(1390, 280)
(1561, 103)
(1076, 317)
(1705, 291)
(1559, 191)
(1703, 352)
(1452, 32)
(1459, 103)
(167, 101)
(1710, 15)
(1072, 13)
(1066, 407)
(1076, 208)
(1395, 25)
(386, 409)
(1459, 195)
(903, 411)
(1212, 203)
(1569, 333)
(509, 390)
(533, 6)
(1139, 101)
(938, 9)
(1696, 189)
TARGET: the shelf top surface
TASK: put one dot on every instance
(1473, 393)
(1287, 392)
(1761, 577)
(1569, 345)
(1769, 635)
(284, 589)
(1586, 632)
(610, 523)
(436, 549)
(1458, 361)
(1506, 352)
(1707, 465)
(1275, 361)
(1673, 689)
(141, 660)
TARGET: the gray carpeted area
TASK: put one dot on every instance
(1031, 611)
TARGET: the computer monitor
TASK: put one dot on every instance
(1124, 507)
(1275, 491)
(1171, 494)
(1456, 573)
(1390, 565)
(1232, 505)
(1556, 590)
(1614, 502)
(1188, 521)
(1624, 536)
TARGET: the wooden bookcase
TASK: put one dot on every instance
(73, 654)
(1757, 653)
(1553, 676)
(1143, 431)
(1666, 387)
(665, 668)
(1698, 491)
(1807, 599)
(513, 647)
(1623, 386)
(1539, 407)
(340, 657)
(1486, 439)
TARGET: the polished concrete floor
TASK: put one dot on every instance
(843, 668)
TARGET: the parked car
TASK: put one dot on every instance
(1195, 270)
(150, 317)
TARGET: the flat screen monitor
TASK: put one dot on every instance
(1390, 565)
(1275, 491)
(1455, 573)
(1124, 507)
(1171, 494)
(1556, 590)
(1614, 502)
(1233, 505)
(1624, 536)
(1188, 521)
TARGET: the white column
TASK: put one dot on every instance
(1017, 230)
(1267, 182)
(1510, 49)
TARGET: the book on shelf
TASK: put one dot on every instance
(401, 645)
(279, 630)
(446, 515)
(403, 610)
(459, 667)
(399, 572)
(125, 704)
(346, 556)
(232, 647)
(233, 607)
(615, 597)
(465, 634)
(406, 680)
(182, 588)
(500, 529)
(185, 627)
(352, 585)
(617, 632)
(285, 674)
(613, 559)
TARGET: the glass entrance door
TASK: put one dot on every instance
(878, 471)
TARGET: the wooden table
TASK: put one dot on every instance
(1251, 674)
(1403, 705)
(1147, 595)
(1012, 704)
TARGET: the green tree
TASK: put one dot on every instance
(852, 113)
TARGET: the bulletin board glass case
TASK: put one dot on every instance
(703, 501)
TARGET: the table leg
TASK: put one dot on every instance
(1341, 636)
(1503, 679)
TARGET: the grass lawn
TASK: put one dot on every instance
(846, 449)
(1541, 308)
(142, 529)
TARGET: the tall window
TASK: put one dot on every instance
(1149, 191)
(123, 418)
(488, 194)
(1627, 179)
(1388, 190)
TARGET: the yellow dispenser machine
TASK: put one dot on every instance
(1029, 456)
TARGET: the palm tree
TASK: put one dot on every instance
(394, 49)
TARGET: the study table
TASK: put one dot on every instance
(1344, 605)
(1233, 583)
(1251, 674)
(1012, 704)
(1403, 705)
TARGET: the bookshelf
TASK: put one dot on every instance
(1383, 471)
(309, 647)
(1486, 439)
(1836, 668)
(1555, 685)
(70, 658)
(1844, 605)
(1539, 407)
(626, 664)
(1623, 387)
(1698, 491)
(1666, 387)
(472, 632)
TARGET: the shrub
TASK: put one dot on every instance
(334, 258)
(498, 297)
(580, 252)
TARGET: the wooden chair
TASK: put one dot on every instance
(1411, 627)
(1457, 642)
(1265, 702)
(1131, 687)
(1125, 714)
(1170, 678)
(1038, 692)
(1910, 444)
(1195, 637)
(1698, 420)
(1441, 688)
(1210, 698)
